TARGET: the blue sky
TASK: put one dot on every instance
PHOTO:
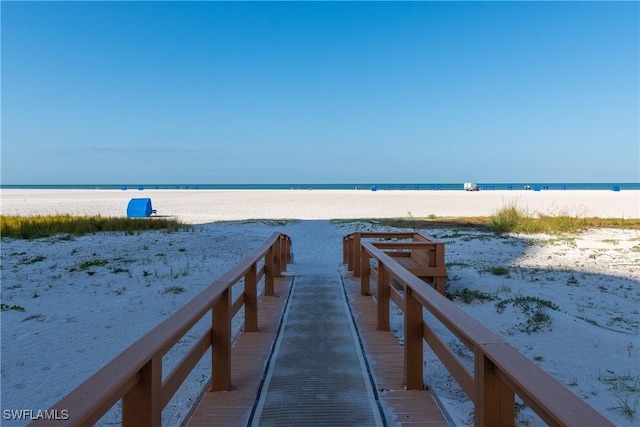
(335, 92)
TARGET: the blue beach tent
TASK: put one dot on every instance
(139, 208)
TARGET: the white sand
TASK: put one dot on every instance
(200, 206)
(74, 322)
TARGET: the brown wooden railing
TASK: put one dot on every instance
(422, 255)
(500, 372)
(135, 376)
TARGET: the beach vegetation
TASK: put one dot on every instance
(625, 405)
(509, 219)
(117, 270)
(497, 271)
(34, 227)
(27, 261)
(514, 220)
(181, 271)
(623, 387)
(519, 407)
(173, 290)
(5, 307)
(85, 265)
(572, 281)
(504, 289)
(468, 296)
(611, 241)
(533, 308)
(453, 235)
(458, 264)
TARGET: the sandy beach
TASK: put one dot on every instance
(73, 321)
(201, 206)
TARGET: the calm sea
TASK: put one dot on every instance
(366, 186)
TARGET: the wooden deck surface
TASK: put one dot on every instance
(384, 354)
(248, 361)
(386, 360)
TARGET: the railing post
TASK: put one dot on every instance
(440, 281)
(221, 343)
(142, 405)
(287, 252)
(357, 237)
(346, 253)
(413, 351)
(365, 273)
(277, 257)
(268, 273)
(383, 298)
(283, 253)
(495, 401)
(251, 300)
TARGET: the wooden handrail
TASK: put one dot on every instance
(351, 245)
(500, 371)
(429, 252)
(135, 375)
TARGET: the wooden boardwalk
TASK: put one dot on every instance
(383, 353)
(391, 375)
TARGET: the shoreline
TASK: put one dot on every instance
(361, 186)
(203, 206)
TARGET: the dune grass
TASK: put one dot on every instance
(511, 219)
(34, 227)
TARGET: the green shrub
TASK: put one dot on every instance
(508, 219)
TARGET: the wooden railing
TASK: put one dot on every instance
(500, 372)
(422, 255)
(135, 376)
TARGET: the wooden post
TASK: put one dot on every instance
(142, 405)
(365, 273)
(284, 248)
(356, 254)
(251, 299)
(383, 298)
(495, 401)
(268, 273)
(221, 343)
(413, 356)
(277, 258)
(345, 252)
(440, 281)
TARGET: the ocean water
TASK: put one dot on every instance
(534, 186)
